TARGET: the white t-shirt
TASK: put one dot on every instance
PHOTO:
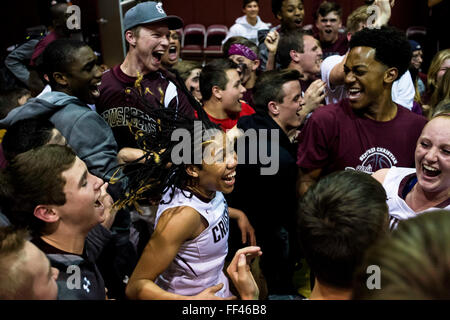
(244, 29)
(402, 90)
(199, 262)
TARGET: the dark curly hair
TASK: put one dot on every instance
(148, 177)
(391, 46)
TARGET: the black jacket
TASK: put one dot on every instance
(268, 200)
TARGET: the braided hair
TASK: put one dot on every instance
(151, 175)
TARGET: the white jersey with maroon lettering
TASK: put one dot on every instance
(199, 262)
(398, 209)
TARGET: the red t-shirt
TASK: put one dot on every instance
(230, 122)
(335, 138)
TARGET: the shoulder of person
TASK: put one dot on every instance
(416, 118)
(329, 112)
(171, 75)
(380, 175)
(332, 61)
(179, 221)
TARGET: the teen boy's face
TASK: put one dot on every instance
(311, 58)
(43, 276)
(150, 45)
(251, 10)
(233, 92)
(83, 208)
(291, 14)
(193, 83)
(84, 75)
(328, 27)
(417, 59)
(364, 77)
(292, 104)
(248, 65)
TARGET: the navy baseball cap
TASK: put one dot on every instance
(415, 45)
(149, 12)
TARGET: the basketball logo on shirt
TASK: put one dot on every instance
(374, 159)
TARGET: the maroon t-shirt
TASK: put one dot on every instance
(248, 97)
(3, 162)
(335, 138)
(122, 102)
(340, 47)
(41, 45)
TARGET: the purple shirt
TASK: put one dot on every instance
(122, 103)
(335, 138)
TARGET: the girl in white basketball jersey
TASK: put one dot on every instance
(427, 187)
(185, 256)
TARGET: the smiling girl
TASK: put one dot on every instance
(427, 187)
(186, 253)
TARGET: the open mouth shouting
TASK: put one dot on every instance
(173, 55)
(98, 204)
(319, 62)
(298, 22)
(430, 171)
(94, 89)
(354, 94)
(229, 178)
(157, 55)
